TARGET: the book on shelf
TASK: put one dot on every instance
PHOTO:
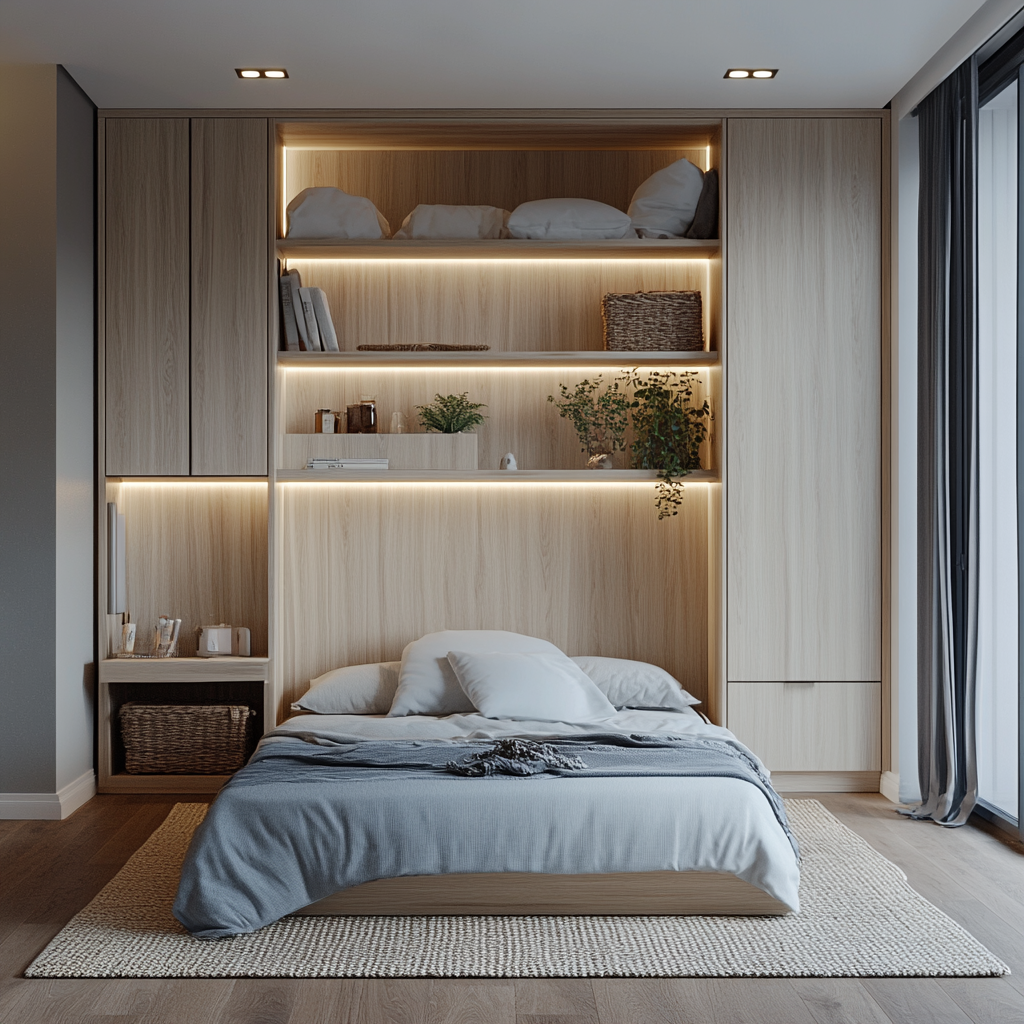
(289, 327)
(328, 337)
(294, 284)
(309, 313)
(325, 463)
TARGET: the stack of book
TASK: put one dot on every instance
(305, 317)
(347, 464)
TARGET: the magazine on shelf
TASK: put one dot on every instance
(306, 298)
(323, 320)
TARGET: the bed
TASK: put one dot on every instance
(375, 814)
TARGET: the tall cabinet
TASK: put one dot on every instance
(804, 440)
(185, 295)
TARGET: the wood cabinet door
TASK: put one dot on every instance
(229, 296)
(804, 399)
(147, 296)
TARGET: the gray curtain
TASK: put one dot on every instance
(947, 451)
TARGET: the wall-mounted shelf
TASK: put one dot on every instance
(488, 360)
(498, 249)
(549, 476)
(184, 670)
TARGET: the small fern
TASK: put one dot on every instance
(451, 414)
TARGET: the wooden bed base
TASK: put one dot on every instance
(650, 892)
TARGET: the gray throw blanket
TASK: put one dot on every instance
(515, 757)
(608, 755)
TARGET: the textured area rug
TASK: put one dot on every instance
(858, 918)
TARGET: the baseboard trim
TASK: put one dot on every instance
(889, 786)
(49, 806)
(826, 782)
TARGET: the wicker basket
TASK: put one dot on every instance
(185, 739)
(653, 322)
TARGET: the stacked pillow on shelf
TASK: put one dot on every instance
(679, 201)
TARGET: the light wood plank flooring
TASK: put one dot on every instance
(49, 870)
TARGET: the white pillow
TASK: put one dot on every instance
(331, 213)
(664, 205)
(427, 684)
(568, 219)
(454, 222)
(636, 684)
(529, 687)
(353, 690)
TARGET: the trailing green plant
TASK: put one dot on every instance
(668, 429)
(600, 419)
(451, 414)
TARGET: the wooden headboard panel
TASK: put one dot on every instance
(365, 568)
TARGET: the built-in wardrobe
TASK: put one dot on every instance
(763, 595)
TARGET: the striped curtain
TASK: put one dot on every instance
(947, 479)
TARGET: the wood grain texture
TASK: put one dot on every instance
(513, 306)
(493, 360)
(403, 451)
(809, 727)
(826, 782)
(508, 130)
(197, 551)
(229, 309)
(146, 273)
(182, 670)
(397, 180)
(520, 419)
(365, 569)
(804, 314)
(519, 893)
(502, 248)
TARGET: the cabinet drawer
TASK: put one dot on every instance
(809, 727)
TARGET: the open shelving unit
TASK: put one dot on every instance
(553, 549)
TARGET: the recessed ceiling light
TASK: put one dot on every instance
(751, 72)
(261, 72)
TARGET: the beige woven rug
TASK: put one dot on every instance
(858, 918)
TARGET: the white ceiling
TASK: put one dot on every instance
(482, 53)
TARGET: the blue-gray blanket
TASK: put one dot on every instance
(302, 821)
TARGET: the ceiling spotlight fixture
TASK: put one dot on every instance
(751, 72)
(261, 72)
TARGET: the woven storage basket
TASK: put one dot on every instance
(653, 322)
(185, 739)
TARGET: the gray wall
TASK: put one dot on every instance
(75, 413)
(46, 423)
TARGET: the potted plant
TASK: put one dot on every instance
(600, 418)
(451, 414)
(668, 430)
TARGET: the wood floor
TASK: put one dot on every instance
(50, 870)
